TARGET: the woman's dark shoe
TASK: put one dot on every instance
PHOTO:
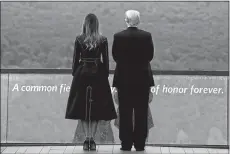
(92, 145)
(86, 144)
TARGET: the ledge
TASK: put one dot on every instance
(157, 145)
(155, 72)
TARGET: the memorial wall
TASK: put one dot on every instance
(184, 110)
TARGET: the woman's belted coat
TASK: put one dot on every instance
(90, 95)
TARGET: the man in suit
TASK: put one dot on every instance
(132, 51)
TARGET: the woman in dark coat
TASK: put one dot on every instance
(90, 98)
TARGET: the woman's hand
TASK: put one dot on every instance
(115, 96)
(150, 96)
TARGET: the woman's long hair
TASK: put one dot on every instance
(90, 31)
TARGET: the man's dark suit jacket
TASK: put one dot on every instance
(133, 50)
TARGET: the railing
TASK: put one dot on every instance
(198, 104)
(155, 72)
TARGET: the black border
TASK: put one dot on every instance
(122, 1)
(228, 129)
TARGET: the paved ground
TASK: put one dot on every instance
(108, 149)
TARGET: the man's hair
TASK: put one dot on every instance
(132, 17)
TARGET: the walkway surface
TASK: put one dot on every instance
(107, 149)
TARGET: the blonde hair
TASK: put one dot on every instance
(90, 31)
(132, 17)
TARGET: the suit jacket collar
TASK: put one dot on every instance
(132, 28)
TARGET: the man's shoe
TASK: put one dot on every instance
(140, 149)
(125, 149)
